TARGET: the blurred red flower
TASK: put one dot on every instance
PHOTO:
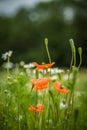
(60, 88)
(38, 108)
(43, 66)
(40, 83)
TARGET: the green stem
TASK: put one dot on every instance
(73, 59)
(37, 76)
(80, 55)
(71, 45)
(46, 44)
(8, 61)
(18, 116)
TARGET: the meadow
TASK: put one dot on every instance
(43, 97)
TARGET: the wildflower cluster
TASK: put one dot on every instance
(42, 97)
(64, 95)
(43, 83)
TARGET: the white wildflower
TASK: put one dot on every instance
(10, 53)
(9, 65)
(54, 77)
(55, 70)
(63, 105)
(29, 66)
(6, 55)
(22, 63)
(65, 77)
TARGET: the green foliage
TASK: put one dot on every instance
(16, 96)
(60, 99)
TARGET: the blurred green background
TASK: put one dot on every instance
(59, 20)
(24, 30)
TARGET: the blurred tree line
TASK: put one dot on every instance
(59, 21)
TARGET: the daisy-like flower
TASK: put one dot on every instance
(38, 108)
(7, 54)
(40, 83)
(43, 66)
(29, 66)
(60, 88)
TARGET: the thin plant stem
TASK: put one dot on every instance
(49, 57)
(80, 55)
(71, 45)
(8, 61)
(73, 49)
(46, 44)
(18, 116)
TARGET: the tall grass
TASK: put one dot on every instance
(42, 97)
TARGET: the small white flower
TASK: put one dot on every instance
(55, 70)
(6, 55)
(29, 66)
(54, 77)
(65, 77)
(10, 53)
(63, 105)
(22, 63)
(9, 65)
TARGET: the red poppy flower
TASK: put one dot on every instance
(60, 88)
(40, 83)
(38, 108)
(43, 66)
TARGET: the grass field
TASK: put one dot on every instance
(16, 95)
(41, 97)
(81, 105)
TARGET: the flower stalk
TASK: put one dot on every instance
(46, 45)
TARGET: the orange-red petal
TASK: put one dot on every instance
(38, 108)
(32, 108)
(60, 88)
(43, 66)
(41, 87)
(40, 83)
